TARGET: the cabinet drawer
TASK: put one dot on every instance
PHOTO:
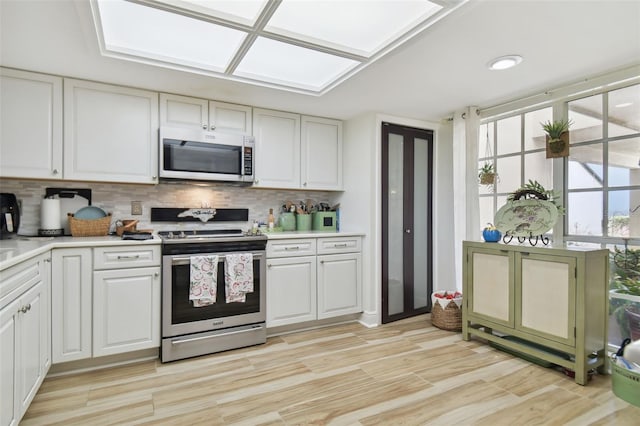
(339, 245)
(289, 248)
(18, 278)
(125, 257)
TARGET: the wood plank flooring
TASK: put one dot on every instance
(407, 372)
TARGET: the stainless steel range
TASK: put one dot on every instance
(189, 330)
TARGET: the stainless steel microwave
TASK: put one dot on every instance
(194, 154)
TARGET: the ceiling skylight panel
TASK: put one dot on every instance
(242, 11)
(360, 27)
(147, 32)
(290, 65)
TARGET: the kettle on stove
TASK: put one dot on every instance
(9, 215)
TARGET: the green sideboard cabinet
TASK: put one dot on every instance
(546, 302)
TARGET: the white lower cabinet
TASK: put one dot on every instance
(313, 278)
(24, 336)
(126, 310)
(106, 301)
(339, 284)
(71, 301)
(291, 290)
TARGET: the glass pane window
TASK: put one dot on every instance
(485, 140)
(585, 167)
(534, 136)
(487, 212)
(624, 213)
(624, 162)
(586, 115)
(509, 171)
(508, 135)
(584, 217)
(538, 168)
(624, 111)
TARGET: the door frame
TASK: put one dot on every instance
(410, 133)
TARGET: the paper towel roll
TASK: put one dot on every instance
(50, 214)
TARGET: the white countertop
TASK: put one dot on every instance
(19, 248)
(310, 234)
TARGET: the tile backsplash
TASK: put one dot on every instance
(116, 199)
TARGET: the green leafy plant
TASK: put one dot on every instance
(556, 128)
(625, 279)
(533, 186)
(487, 174)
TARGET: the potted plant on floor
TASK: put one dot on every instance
(624, 301)
(557, 137)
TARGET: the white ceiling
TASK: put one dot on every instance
(437, 72)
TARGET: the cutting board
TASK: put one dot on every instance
(71, 200)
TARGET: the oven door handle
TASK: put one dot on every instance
(230, 333)
(175, 260)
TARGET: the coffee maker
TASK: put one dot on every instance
(9, 215)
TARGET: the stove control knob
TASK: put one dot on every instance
(170, 235)
(182, 234)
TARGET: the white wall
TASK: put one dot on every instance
(362, 179)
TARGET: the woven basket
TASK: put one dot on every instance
(89, 227)
(448, 318)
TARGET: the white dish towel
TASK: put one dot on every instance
(238, 276)
(203, 280)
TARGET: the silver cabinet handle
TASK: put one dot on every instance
(25, 308)
(408, 231)
(204, 127)
(340, 245)
(304, 184)
(292, 248)
(55, 171)
(137, 256)
(156, 275)
(213, 127)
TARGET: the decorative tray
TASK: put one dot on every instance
(524, 218)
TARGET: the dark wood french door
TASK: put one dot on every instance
(407, 204)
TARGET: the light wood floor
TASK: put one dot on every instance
(407, 372)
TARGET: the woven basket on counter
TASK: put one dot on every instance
(446, 313)
(89, 227)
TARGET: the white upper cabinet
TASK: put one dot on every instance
(110, 133)
(31, 130)
(184, 111)
(321, 153)
(277, 149)
(230, 118)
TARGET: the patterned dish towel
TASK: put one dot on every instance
(238, 276)
(203, 280)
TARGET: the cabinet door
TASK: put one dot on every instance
(110, 133)
(182, 111)
(31, 318)
(126, 311)
(277, 149)
(230, 118)
(339, 284)
(291, 290)
(9, 364)
(321, 153)
(31, 131)
(71, 304)
(546, 296)
(490, 285)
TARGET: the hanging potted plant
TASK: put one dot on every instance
(557, 137)
(486, 174)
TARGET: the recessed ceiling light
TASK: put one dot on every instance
(504, 62)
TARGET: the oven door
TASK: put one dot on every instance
(180, 317)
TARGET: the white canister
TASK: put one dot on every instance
(50, 214)
(632, 352)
